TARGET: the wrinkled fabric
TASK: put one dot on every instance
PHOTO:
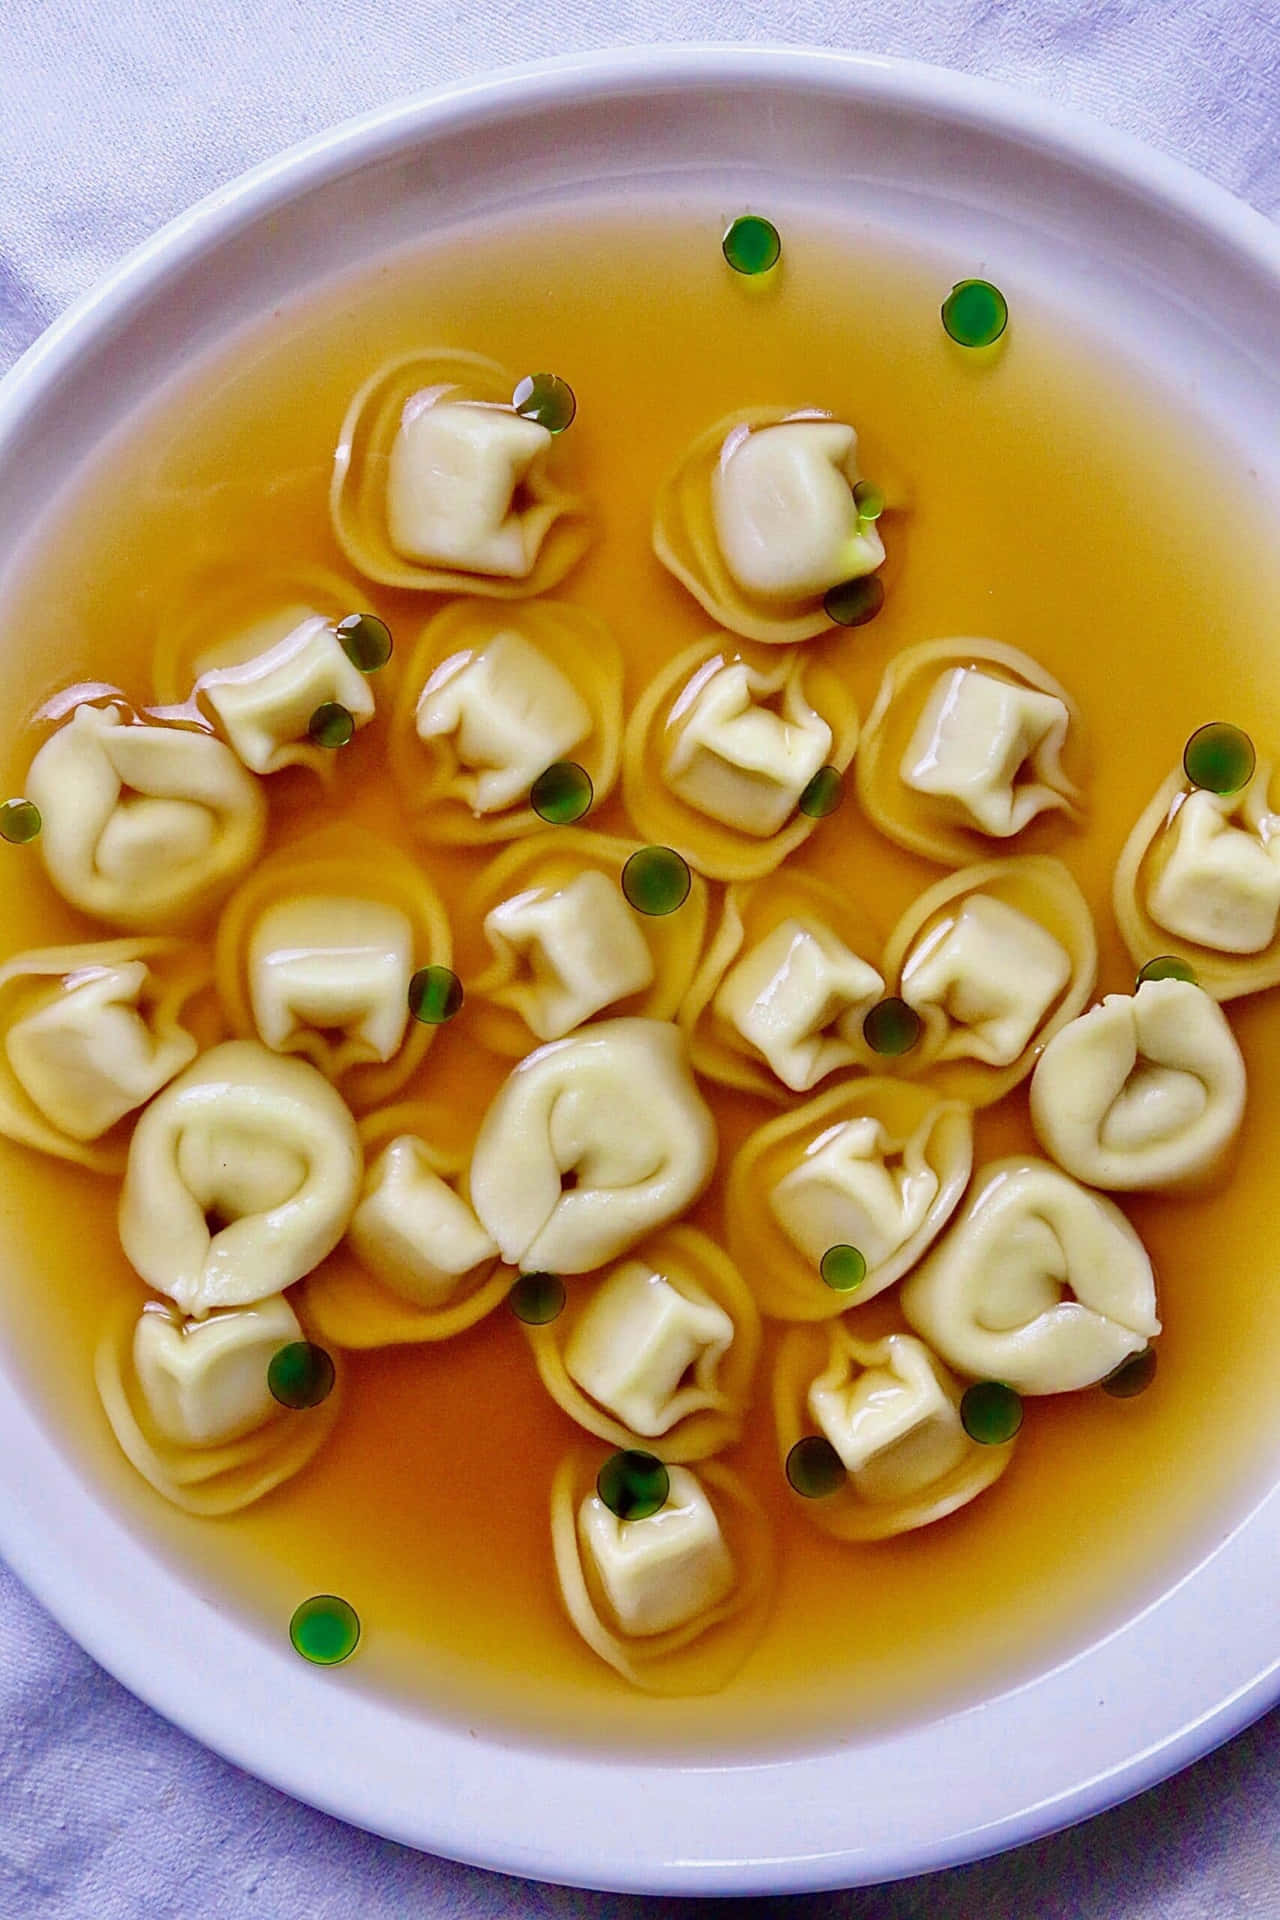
(115, 118)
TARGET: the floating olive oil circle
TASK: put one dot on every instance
(990, 1412)
(325, 1630)
(546, 399)
(1132, 1377)
(975, 313)
(633, 1485)
(868, 499)
(843, 1268)
(300, 1375)
(562, 794)
(854, 602)
(1219, 758)
(752, 244)
(656, 880)
(331, 725)
(1167, 966)
(365, 640)
(814, 1468)
(19, 822)
(537, 1298)
(435, 995)
(892, 1027)
(823, 794)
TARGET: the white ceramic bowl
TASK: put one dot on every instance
(1183, 274)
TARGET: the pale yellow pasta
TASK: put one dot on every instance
(440, 486)
(758, 520)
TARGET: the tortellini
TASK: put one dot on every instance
(265, 704)
(721, 746)
(316, 952)
(145, 827)
(779, 1001)
(1145, 1091)
(490, 700)
(241, 1177)
(1199, 878)
(189, 1404)
(658, 1351)
(416, 1264)
(759, 520)
(969, 741)
(90, 1033)
(878, 1165)
(1040, 1283)
(439, 484)
(673, 1602)
(565, 944)
(995, 960)
(891, 1411)
(591, 1143)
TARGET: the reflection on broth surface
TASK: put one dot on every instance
(454, 1500)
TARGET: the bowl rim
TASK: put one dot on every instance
(42, 1543)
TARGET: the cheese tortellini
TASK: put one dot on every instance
(759, 520)
(658, 1351)
(675, 1601)
(190, 1407)
(316, 951)
(891, 1411)
(1199, 878)
(995, 960)
(144, 826)
(779, 1001)
(721, 746)
(1040, 1283)
(90, 1033)
(490, 700)
(969, 741)
(241, 1177)
(591, 1143)
(879, 1166)
(564, 943)
(416, 1264)
(440, 485)
(1145, 1091)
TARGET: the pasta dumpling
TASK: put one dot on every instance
(674, 1601)
(591, 1143)
(316, 952)
(1199, 878)
(416, 1264)
(265, 703)
(891, 1411)
(241, 1177)
(1040, 1283)
(721, 746)
(190, 1407)
(90, 1033)
(564, 943)
(968, 741)
(878, 1166)
(1145, 1091)
(760, 519)
(995, 960)
(439, 484)
(144, 826)
(658, 1351)
(490, 701)
(779, 1001)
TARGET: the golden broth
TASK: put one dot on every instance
(1047, 498)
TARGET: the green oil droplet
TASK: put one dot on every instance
(1168, 967)
(19, 822)
(823, 794)
(562, 794)
(331, 725)
(843, 1268)
(814, 1468)
(854, 602)
(1132, 1376)
(325, 1630)
(751, 244)
(537, 1298)
(975, 313)
(990, 1412)
(656, 880)
(632, 1484)
(366, 641)
(891, 1027)
(1219, 757)
(868, 499)
(435, 995)
(546, 398)
(300, 1375)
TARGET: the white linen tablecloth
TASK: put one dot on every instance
(115, 117)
